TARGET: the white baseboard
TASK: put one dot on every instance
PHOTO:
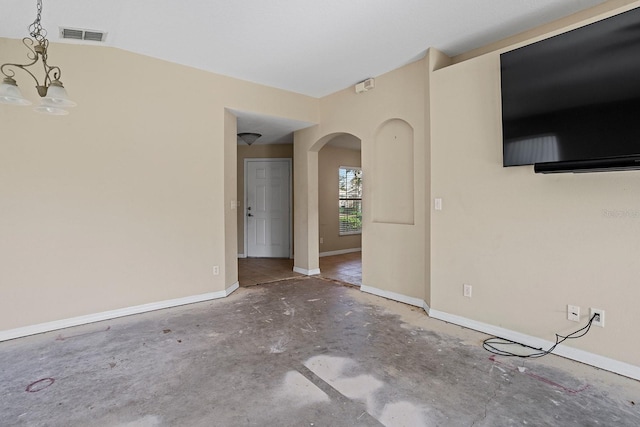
(426, 307)
(340, 252)
(242, 255)
(393, 296)
(231, 289)
(313, 272)
(112, 314)
(582, 356)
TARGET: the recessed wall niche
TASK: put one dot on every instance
(393, 199)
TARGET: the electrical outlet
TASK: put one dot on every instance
(573, 313)
(599, 319)
(216, 270)
(466, 290)
(321, 240)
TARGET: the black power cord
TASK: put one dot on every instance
(491, 343)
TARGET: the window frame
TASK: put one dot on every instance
(347, 199)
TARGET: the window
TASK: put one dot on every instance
(350, 200)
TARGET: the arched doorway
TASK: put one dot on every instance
(340, 183)
(319, 215)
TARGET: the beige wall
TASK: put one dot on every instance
(393, 255)
(127, 200)
(529, 244)
(272, 151)
(329, 160)
(230, 198)
(434, 60)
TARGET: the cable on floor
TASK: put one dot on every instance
(491, 343)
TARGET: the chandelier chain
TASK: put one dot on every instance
(35, 29)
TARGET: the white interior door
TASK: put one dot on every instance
(267, 208)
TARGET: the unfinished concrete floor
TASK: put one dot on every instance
(300, 352)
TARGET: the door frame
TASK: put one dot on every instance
(289, 162)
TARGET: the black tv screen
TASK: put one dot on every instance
(574, 97)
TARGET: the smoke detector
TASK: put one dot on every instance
(365, 85)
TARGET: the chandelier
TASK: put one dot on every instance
(53, 94)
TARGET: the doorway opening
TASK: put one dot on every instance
(340, 208)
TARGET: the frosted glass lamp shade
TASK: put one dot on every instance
(10, 93)
(46, 107)
(52, 111)
(57, 96)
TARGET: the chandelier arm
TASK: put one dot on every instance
(33, 52)
(32, 55)
(51, 72)
(10, 73)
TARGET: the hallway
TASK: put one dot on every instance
(344, 268)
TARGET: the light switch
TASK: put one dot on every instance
(438, 204)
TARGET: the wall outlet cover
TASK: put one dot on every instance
(600, 320)
(467, 290)
(573, 313)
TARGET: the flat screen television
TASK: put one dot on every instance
(572, 102)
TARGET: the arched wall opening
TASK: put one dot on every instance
(312, 196)
(340, 209)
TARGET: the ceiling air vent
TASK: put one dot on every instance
(80, 34)
(68, 33)
(94, 36)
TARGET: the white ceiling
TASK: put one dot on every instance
(274, 130)
(312, 47)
